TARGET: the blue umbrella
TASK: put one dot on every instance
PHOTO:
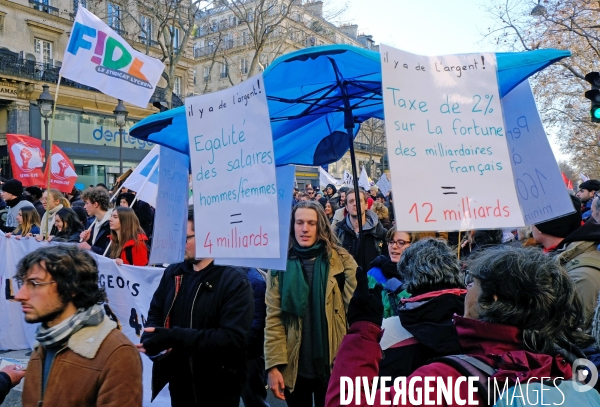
(308, 134)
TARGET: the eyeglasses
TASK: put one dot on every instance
(189, 237)
(399, 243)
(32, 284)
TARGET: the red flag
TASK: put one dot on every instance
(26, 157)
(62, 171)
(567, 181)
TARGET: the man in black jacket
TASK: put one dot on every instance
(197, 330)
(373, 231)
(96, 239)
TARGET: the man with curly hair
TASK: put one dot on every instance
(82, 359)
(96, 201)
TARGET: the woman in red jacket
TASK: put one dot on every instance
(128, 241)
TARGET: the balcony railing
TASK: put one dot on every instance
(22, 68)
(368, 148)
(148, 41)
(119, 31)
(46, 8)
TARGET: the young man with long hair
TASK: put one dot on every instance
(306, 309)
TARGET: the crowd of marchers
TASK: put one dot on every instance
(509, 305)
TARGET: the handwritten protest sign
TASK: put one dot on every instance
(384, 184)
(233, 171)
(445, 133)
(168, 242)
(541, 189)
(285, 182)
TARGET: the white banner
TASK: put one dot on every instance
(363, 180)
(98, 57)
(129, 290)
(140, 180)
(445, 129)
(168, 242)
(285, 179)
(540, 186)
(326, 178)
(233, 171)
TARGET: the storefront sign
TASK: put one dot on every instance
(8, 89)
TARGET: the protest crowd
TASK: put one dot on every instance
(516, 305)
(202, 279)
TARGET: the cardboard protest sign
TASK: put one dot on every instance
(384, 184)
(285, 181)
(445, 130)
(170, 225)
(540, 186)
(233, 172)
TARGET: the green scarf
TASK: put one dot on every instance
(294, 298)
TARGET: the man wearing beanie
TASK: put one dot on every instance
(586, 193)
(575, 248)
(12, 193)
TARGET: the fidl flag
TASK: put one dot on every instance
(62, 171)
(26, 158)
(98, 57)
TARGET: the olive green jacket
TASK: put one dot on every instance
(582, 261)
(282, 342)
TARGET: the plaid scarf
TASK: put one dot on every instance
(91, 316)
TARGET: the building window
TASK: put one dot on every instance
(177, 86)
(206, 73)
(146, 25)
(245, 37)
(194, 71)
(175, 37)
(114, 16)
(224, 70)
(43, 50)
(76, 4)
(244, 65)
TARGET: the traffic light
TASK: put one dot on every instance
(594, 95)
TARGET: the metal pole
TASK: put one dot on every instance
(45, 139)
(120, 150)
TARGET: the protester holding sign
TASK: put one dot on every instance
(307, 303)
(197, 330)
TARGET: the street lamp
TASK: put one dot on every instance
(120, 117)
(45, 104)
